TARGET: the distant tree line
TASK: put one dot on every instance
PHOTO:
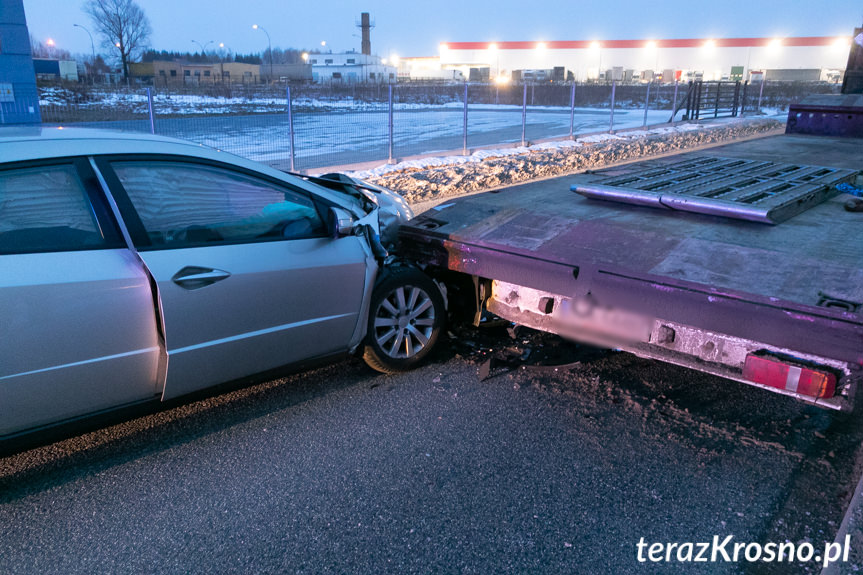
(198, 57)
(280, 56)
(286, 56)
(124, 32)
(44, 50)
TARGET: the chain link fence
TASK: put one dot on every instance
(311, 126)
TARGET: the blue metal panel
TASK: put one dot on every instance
(11, 12)
(16, 66)
(16, 39)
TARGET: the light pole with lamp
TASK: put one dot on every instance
(598, 47)
(92, 48)
(224, 51)
(493, 52)
(653, 48)
(203, 47)
(269, 47)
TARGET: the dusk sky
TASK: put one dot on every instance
(417, 28)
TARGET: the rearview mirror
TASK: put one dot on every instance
(340, 223)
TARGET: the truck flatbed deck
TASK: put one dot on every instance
(713, 290)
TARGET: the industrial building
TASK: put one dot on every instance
(351, 68)
(179, 72)
(781, 59)
(427, 69)
(55, 69)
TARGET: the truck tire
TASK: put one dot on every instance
(406, 317)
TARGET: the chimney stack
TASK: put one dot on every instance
(366, 26)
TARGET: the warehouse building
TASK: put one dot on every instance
(55, 69)
(351, 68)
(179, 72)
(800, 58)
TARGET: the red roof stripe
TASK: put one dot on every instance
(680, 43)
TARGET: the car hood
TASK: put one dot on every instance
(393, 209)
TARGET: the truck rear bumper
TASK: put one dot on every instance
(586, 320)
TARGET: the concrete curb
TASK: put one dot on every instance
(852, 523)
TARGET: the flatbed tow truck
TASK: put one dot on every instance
(740, 261)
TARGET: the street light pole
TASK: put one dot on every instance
(204, 50)
(598, 47)
(222, 58)
(599, 69)
(269, 47)
(203, 46)
(92, 46)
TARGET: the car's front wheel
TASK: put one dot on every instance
(406, 317)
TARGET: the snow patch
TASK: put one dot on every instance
(435, 178)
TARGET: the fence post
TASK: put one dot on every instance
(736, 99)
(611, 120)
(699, 92)
(150, 110)
(646, 104)
(689, 101)
(391, 124)
(290, 124)
(716, 107)
(674, 101)
(761, 92)
(572, 112)
(524, 115)
(464, 130)
(743, 99)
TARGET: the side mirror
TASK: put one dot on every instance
(340, 223)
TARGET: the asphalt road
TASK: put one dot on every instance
(340, 470)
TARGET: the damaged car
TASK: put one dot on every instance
(136, 268)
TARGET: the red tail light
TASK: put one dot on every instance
(803, 380)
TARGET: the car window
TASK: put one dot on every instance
(46, 209)
(185, 204)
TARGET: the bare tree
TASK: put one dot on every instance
(122, 25)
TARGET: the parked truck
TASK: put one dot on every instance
(740, 261)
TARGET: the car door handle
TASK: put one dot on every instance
(194, 277)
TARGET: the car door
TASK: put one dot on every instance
(77, 316)
(248, 278)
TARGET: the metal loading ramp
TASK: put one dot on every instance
(753, 190)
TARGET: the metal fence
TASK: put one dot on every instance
(311, 126)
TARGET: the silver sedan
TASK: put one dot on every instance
(136, 268)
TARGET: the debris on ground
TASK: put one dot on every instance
(499, 347)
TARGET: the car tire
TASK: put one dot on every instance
(406, 317)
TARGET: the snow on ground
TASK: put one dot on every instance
(432, 179)
(136, 101)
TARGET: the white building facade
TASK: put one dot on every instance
(681, 59)
(351, 68)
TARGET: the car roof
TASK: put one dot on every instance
(34, 143)
(23, 144)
